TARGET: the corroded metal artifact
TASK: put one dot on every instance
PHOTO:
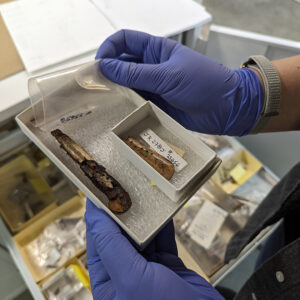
(154, 159)
(119, 200)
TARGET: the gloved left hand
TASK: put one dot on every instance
(199, 93)
(118, 271)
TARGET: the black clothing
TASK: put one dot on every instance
(279, 276)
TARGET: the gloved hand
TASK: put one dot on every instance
(118, 271)
(198, 92)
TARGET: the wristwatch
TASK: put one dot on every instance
(271, 83)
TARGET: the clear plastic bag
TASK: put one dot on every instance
(65, 285)
(58, 242)
(239, 211)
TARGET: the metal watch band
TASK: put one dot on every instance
(271, 82)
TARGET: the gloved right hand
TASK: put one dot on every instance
(118, 271)
(198, 92)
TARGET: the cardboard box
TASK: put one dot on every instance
(10, 61)
(83, 261)
(74, 207)
(18, 177)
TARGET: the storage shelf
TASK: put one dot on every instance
(215, 279)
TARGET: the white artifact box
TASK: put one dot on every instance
(197, 156)
(83, 104)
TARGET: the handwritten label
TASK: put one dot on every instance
(163, 149)
(206, 224)
(74, 117)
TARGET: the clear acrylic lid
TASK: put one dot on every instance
(55, 94)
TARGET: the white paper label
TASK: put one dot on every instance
(163, 149)
(206, 224)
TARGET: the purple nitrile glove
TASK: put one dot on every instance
(118, 271)
(198, 92)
